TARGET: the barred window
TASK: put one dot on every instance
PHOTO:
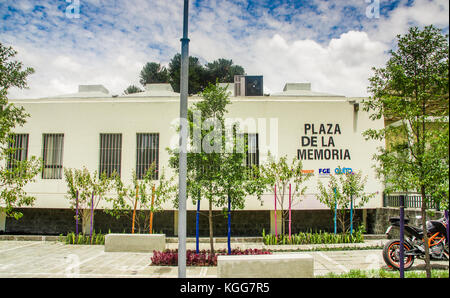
(252, 149)
(147, 153)
(52, 154)
(110, 153)
(18, 149)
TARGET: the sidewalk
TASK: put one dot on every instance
(56, 259)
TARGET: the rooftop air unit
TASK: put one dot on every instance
(248, 85)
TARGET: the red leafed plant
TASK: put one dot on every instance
(169, 257)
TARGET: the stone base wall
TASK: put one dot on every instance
(36, 221)
(378, 219)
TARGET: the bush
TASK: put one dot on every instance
(169, 257)
(314, 238)
(72, 238)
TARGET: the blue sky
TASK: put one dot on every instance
(332, 44)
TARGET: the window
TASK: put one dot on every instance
(18, 149)
(52, 154)
(147, 153)
(251, 142)
(110, 153)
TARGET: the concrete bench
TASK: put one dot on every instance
(135, 242)
(266, 266)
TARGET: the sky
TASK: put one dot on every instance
(331, 44)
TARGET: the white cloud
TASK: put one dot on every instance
(326, 43)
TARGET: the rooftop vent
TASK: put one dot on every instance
(92, 88)
(248, 85)
(159, 87)
(297, 86)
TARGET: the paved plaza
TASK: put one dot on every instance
(55, 259)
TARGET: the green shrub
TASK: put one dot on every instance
(81, 239)
(314, 238)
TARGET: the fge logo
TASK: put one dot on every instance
(325, 173)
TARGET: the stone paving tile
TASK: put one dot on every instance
(53, 259)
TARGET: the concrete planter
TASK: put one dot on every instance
(135, 242)
(266, 266)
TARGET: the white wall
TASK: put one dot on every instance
(83, 119)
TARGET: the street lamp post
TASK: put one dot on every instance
(183, 145)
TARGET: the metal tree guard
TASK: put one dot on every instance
(402, 229)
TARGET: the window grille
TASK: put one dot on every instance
(252, 149)
(147, 153)
(52, 154)
(110, 153)
(18, 149)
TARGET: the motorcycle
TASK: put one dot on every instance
(414, 246)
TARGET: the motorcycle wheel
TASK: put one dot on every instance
(391, 255)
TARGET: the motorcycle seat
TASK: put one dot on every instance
(418, 230)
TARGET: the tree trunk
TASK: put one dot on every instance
(425, 234)
(211, 234)
(85, 221)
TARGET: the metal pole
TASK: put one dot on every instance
(150, 227)
(92, 216)
(351, 214)
(335, 211)
(402, 229)
(290, 203)
(76, 217)
(183, 145)
(197, 245)
(276, 228)
(229, 225)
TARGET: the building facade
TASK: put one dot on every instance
(100, 131)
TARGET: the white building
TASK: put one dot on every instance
(75, 130)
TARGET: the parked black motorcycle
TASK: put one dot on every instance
(414, 243)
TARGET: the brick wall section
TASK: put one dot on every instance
(378, 219)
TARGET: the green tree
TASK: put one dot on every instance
(223, 70)
(281, 173)
(412, 93)
(132, 89)
(151, 195)
(340, 192)
(214, 173)
(204, 161)
(14, 174)
(91, 190)
(153, 72)
(197, 74)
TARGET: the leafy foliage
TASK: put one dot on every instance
(132, 89)
(82, 239)
(153, 72)
(13, 179)
(314, 238)
(412, 94)
(282, 173)
(90, 189)
(200, 76)
(203, 258)
(214, 172)
(140, 194)
(340, 190)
